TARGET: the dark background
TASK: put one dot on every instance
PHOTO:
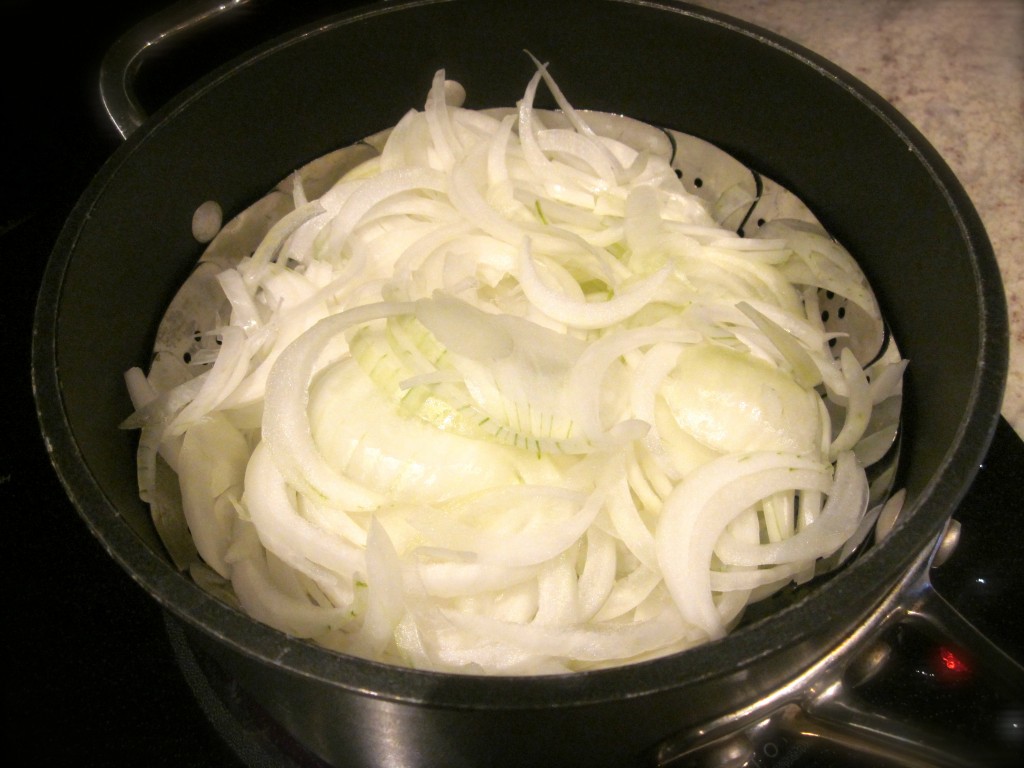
(92, 678)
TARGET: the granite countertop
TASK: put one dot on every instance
(955, 69)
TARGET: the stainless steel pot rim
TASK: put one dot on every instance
(918, 527)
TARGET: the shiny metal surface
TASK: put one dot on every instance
(121, 64)
(819, 702)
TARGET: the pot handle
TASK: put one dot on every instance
(833, 702)
(836, 712)
(123, 59)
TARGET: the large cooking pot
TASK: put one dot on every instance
(870, 177)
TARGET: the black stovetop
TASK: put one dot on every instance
(95, 678)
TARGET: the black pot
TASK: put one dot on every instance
(871, 178)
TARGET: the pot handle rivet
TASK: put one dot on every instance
(947, 544)
(869, 663)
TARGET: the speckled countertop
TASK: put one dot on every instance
(955, 69)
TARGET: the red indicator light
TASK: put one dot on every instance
(952, 662)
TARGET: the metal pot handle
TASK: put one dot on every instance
(835, 712)
(123, 59)
(823, 704)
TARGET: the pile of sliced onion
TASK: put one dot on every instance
(508, 399)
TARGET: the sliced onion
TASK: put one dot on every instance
(700, 508)
(508, 399)
(583, 314)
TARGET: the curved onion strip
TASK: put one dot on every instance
(583, 314)
(385, 600)
(561, 182)
(568, 110)
(834, 525)
(593, 365)
(271, 245)
(291, 537)
(700, 508)
(598, 575)
(266, 601)
(542, 535)
(858, 407)
(373, 191)
(629, 526)
(457, 578)
(286, 426)
(228, 370)
(629, 592)
(208, 481)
